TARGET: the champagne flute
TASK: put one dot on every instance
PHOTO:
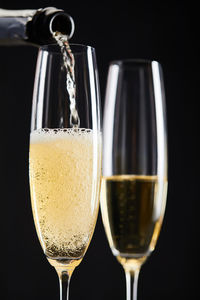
(65, 157)
(134, 184)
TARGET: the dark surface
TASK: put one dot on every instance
(163, 31)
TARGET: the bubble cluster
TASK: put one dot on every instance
(63, 181)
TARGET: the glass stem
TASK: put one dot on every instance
(131, 283)
(64, 281)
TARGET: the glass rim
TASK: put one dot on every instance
(55, 48)
(133, 61)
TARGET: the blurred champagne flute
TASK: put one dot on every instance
(134, 185)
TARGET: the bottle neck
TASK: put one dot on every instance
(33, 26)
(13, 26)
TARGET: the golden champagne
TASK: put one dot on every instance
(132, 209)
(64, 180)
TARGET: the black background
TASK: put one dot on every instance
(165, 31)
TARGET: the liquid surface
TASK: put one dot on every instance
(64, 180)
(128, 205)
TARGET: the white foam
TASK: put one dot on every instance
(47, 134)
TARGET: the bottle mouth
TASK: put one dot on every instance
(63, 23)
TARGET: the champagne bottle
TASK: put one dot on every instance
(33, 26)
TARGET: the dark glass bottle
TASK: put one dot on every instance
(33, 26)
